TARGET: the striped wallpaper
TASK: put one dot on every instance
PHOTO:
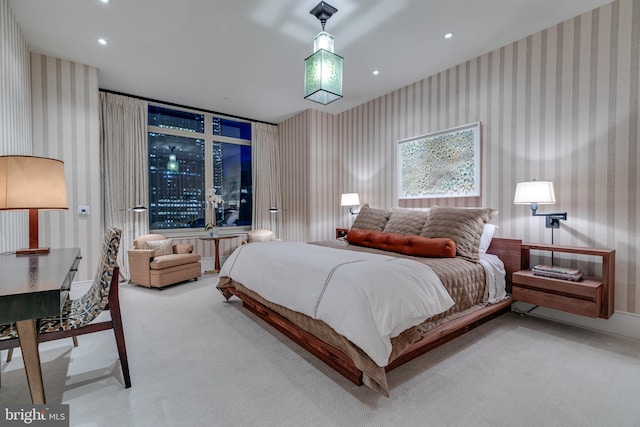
(15, 117)
(66, 127)
(49, 107)
(560, 105)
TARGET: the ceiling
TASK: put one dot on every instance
(245, 57)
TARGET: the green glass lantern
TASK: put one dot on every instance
(323, 69)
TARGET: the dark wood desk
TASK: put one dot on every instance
(216, 241)
(32, 287)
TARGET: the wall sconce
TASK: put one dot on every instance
(172, 164)
(323, 69)
(32, 183)
(536, 193)
(351, 200)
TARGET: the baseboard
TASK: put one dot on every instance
(620, 323)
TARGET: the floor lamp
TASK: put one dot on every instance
(276, 211)
(136, 210)
(32, 183)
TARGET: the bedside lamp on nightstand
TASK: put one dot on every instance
(536, 193)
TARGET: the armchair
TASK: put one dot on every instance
(259, 236)
(155, 261)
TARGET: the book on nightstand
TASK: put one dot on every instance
(557, 272)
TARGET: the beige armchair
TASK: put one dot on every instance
(258, 236)
(155, 261)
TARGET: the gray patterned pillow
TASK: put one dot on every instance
(162, 247)
(462, 225)
(406, 221)
(371, 218)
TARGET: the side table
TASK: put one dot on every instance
(216, 242)
(592, 297)
(341, 232)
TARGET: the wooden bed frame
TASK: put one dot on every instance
(507, 249)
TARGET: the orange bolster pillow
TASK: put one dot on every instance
(438, 247)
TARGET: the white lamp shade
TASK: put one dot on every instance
(540, 192)
(349, 199)
(28, 182)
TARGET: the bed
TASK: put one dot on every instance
(400, 284)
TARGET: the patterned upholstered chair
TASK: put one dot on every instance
(77, 315)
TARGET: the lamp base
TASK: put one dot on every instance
(32, 251)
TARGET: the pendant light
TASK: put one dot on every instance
(323, 69)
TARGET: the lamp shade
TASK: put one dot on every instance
(323, 77)
(349, 199)
(28, 182)
(32, 183)
(540, 192)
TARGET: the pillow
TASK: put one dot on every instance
(403, 244)
(371, 218)
(485, 239)
(406, 221)
(462, 225)
(162, 247)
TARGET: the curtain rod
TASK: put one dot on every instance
(173, 104)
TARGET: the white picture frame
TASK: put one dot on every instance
(441, 164)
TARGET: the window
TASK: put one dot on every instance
(190, 152)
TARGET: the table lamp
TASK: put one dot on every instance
(32, 183)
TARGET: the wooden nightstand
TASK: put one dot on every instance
(587, 297)
(341, 232)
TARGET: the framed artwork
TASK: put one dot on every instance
(441, 164)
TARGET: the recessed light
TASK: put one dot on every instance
(376, 72)
(448, 35)
(105, 1)
(102, 41)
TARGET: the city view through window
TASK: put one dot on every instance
(185, 149)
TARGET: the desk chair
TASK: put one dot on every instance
(77, 315)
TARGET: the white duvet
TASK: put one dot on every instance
(368, 298)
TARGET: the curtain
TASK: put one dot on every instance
(266, 178)
(124, 168)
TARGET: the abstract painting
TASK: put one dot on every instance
(441, 164)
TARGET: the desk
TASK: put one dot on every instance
(216, 241)
(32, 287)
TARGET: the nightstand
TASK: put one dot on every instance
(341, 232)
(590, 297)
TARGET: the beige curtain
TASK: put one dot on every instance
(266, 178)
(124, 168)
